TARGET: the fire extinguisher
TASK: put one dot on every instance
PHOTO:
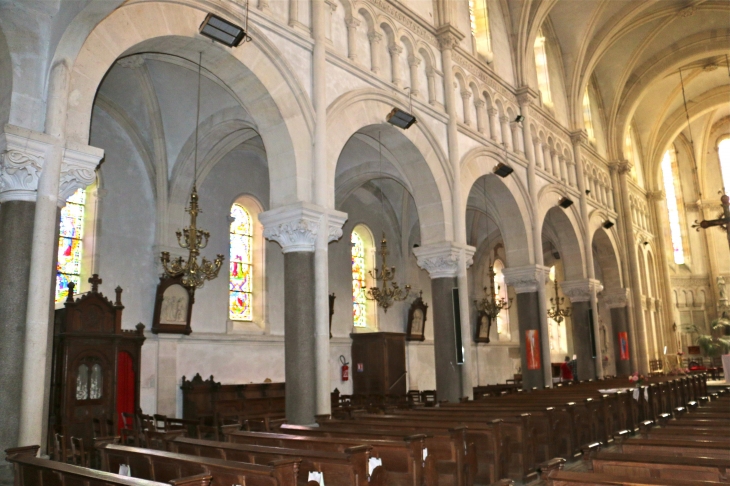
(345, 369)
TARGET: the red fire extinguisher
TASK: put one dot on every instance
(345, 369)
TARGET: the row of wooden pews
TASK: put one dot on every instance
(675, 452)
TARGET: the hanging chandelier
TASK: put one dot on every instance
(492, 304)
(555, 312)
(193, 274)
(390, 292)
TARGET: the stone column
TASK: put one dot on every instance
(582, 295)
(375, 39)
(297, 229)
(352, 25)
(294, 16)
(506, 133)
(539, 154)
(578, 139)
(431, 78)
(68, 167)
(658, 198)
(493, 125)
(481, 123)
(465, 97)
(517, 142)
(638, 339)
(263, 5)
(525, 97)
(617, 301)
(526, 281)
(413, 63)
(443, 263)
(22, 157)
(448, 38)
(395, 70)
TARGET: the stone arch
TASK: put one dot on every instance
(568, 230)
(507, 203)
(420, 158)
(605, 254)
(252, 74)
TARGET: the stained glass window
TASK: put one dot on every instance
(359, 287)
(724, 152)
(503, 316)
(68, 268)
(240, 297)
(673, 193)
(587, 115)
(479, 22)
(541, 66)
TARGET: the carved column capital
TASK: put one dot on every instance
(479, 103)
(615, 298)
(22, 157)
(375, 37)
(441, 260)
(78, 170)
(526, 96)
(526, 279)
(578, 138)
(655, 195)
(295, 227)
(352, 23)
(504, 119)
(466, 94)
(492, 112)
(581, 290)
(448, 36)
(620, 166)
(395, 49)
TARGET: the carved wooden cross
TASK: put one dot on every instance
(723, 222)
(95, 281)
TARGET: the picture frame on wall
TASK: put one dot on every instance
(173, 307)
(483, 328)
(416, 329)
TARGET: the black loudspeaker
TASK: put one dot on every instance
(607, 224)
(565, 202)
(503, 170)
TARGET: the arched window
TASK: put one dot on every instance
(240, 289)
(673, 192)
(363, 314)
(587, 116)
(479, 19)
(503, 317)
(541, 66)
(68, 268)
(723, 150)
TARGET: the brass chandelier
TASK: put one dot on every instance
(555, 312)
(194, 274)
(390, 291)
(492, 304)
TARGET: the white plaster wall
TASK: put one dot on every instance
(126, 224)
(502, 63)
(422, 8)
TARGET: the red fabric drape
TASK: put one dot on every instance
(125, 387)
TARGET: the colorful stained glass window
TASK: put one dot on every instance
(359, 302)
(673, 193)
(240, 289)
(68, 268)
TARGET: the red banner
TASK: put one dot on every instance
(623, 343)
(532, 345)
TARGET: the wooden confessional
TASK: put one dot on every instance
(96, 366)
(379, 363)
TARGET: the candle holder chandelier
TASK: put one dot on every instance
(389, 292)
(492, 304)
(194, 274)
(555, 312)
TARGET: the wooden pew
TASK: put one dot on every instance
(446, 450)
(348, 468)
(677, 447)
(494, 441)
(567, 478)
(657, 466)
(403, 459)
(165, 466)
(30, 470)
